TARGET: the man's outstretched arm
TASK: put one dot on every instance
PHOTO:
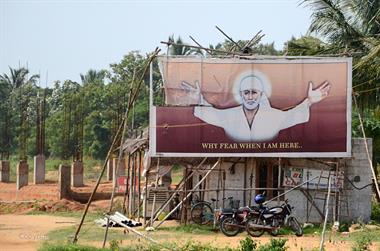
(301, 113)
(204, 110)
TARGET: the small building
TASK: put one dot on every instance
(240, 126)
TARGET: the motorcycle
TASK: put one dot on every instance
(272, 219)
(233, 221)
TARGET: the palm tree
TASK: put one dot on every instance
(179, 47)
(352, 27)
(17, 100)
(93, 76)
(18, 78)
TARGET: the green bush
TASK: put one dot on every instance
(375, 211)
(69, 247)
(274, 245)
(247, 244)
(362, 244)
(344, 227)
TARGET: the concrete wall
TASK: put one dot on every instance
(22, 172)
(4, 170)
(109, 170)
(359, 200)
(232, 177)
(77, 174)
(39, 169)
(64, 185)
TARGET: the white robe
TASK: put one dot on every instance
(266, 125)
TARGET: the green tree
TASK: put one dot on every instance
(180, 48)
(352, 28)
(18, 96)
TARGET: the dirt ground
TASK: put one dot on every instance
(48, 191)
(28, 232)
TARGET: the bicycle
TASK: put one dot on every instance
(204, 212)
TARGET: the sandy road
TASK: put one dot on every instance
(28, 232)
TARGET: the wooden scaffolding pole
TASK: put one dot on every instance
(189, 193)
(155, 194)
(126, 193)
(75, 239)
(181, 183)
(139, 186)
(367, 152)
(145, 197)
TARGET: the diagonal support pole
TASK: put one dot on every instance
(189, 193)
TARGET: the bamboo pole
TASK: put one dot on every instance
(367, 151)
(188, 195)
(139, 187)
(228, 37)
(251, 162)
(293, 188)
(75, 239)
(279, 180)
(155, 194)
(183, 209)
(116, 168)
(239, 189)
(133, 185)
(206, 49)
(181, 183)
(126, 187)
(326, 216)
(145, 197)
(245, 183)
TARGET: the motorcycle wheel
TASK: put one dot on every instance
(201, 213)
(274, 232)
(253, 231)
(295, 226)
(229, 226)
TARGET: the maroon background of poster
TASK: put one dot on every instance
(179, 131)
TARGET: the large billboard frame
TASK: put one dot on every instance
(264, 60)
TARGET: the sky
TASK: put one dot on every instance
(60, 39)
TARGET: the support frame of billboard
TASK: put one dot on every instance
(179, 130)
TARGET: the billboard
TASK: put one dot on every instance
(298, 107)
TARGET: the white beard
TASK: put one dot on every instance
(250, 105)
